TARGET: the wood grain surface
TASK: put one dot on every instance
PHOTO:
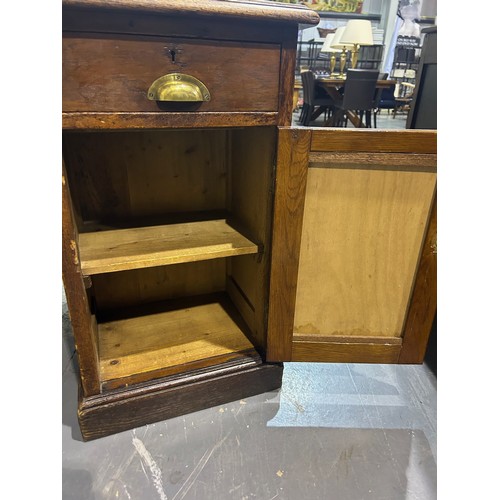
(375, 140)
(287, 76)
(177, 395)
(154, 284)
(422, 308)
(251, 204)
(82, 321)
(239, 9)
(85, 20)
(112, 73)
(117, 177)
(362, 233)
(170, 120)
(122, 249)
(291, 179)
(176, 336)
(341, 352)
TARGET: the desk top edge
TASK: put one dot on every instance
(243, 9)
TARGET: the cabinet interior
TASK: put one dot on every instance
(174, 232)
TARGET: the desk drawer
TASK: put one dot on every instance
(113, 73)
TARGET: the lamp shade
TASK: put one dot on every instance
(357, 31)
(338, 35)
(327, 45)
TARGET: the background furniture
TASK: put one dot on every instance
(309, 55)
(423, 108)
(357, 96)
(316, 99)
(308, 49)
(205, 241)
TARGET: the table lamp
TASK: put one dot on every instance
(343, 47)
(328, 47)
(357, 32)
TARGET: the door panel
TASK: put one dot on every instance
(364, 217)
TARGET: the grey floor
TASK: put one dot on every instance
(333, 431)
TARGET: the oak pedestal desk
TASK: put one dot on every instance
(205, 240)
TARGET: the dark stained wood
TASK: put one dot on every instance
(235, 9)
(373, 140)
(144, 23)
(287, 77)
(83, 323)
(423, 305)
(341, 352)
(121, 410)
(137, 121)
(291, 176)
(407, 162)
(112, 73)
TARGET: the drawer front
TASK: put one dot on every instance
(113, 74)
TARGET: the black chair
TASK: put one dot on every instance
(385, 100)
(358, 96)
(316, 100)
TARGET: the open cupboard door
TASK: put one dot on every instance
(353, 269)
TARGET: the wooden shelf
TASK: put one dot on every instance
(124, 249)
(170, 338)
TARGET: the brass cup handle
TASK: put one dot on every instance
(178, 87)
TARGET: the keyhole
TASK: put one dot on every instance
(172, 54)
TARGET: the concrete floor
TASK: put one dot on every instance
(333, 431)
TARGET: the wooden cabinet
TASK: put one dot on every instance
(204, 243)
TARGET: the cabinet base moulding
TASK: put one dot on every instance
(117, 411)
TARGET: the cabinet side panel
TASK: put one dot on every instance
(82, 322)
(250, 187)
(361, 239)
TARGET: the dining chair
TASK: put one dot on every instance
(316, 100)
(403, 96)
(385, 99)
(359, 93)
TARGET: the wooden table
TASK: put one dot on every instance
(332, 86)
(297, 87)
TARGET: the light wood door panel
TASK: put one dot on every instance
(365, 218)
(362, 233)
